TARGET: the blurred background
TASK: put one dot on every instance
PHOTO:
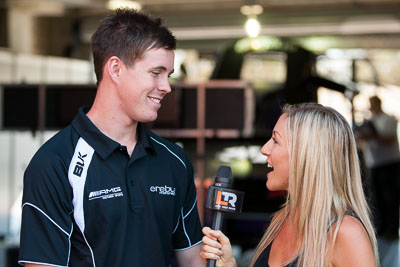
(236, 63)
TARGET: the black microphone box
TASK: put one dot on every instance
(224, 199)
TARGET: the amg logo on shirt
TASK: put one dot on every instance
(106, 193)
(79, 164)
(163, 190)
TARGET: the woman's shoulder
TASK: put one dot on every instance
(351, 230)
(352, 245)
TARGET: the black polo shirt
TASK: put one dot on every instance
(86, 202)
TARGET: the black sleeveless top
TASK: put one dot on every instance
(262, 260)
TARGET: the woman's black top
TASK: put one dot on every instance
(262, 260)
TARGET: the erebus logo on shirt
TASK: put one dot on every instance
(106, 193)
(163, 190)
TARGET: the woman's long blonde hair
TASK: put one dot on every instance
(324, 183)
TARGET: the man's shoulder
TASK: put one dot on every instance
(49, 165)
(385, 124)
(385, 117)
(57, 148)
(165, 147)
(153, 137)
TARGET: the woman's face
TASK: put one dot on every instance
(276, 150)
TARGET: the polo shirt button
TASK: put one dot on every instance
(132, 183)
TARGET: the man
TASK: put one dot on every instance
(105, 191)
(382, 156)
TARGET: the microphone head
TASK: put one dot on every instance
(224, 177)
(224, 171)
(220, 197)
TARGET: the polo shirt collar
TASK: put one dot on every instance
(101, 143)
(144, 138)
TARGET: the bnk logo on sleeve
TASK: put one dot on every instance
(79, 164)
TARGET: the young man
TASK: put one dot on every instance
(105, 191)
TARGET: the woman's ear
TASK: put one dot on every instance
(113, 68)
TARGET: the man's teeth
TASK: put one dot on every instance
(269, 165)
(157, 100)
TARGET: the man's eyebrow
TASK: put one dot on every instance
(164, 69)
(160, 68)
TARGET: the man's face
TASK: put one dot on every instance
(143, 85)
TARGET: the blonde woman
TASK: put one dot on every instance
(325, 219)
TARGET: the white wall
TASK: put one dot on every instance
(29, 68)
(17, 149)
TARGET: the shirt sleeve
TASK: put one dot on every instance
(46, 206)
(188, 232)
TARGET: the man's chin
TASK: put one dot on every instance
(148, 119)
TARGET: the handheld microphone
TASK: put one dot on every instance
(221, 198)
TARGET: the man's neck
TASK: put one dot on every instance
(114, 124)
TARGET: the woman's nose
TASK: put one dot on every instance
(266, 150)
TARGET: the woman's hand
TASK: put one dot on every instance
(216, 246)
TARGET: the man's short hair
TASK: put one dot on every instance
(375, 99)
(128, 34)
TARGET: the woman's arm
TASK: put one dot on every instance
(217, 246)
(352, 246)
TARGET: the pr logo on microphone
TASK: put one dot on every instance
(224, 199)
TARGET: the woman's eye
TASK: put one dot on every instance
(274, 140)
(156, 73)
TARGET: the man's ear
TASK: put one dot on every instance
(113, 68)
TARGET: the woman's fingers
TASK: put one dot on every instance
(216, 246)
(209, 252)
(213, 242)
(213, 234)
(208, 256)
(216, 235)
(207, 231)
(223, 239)
(213, 250)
